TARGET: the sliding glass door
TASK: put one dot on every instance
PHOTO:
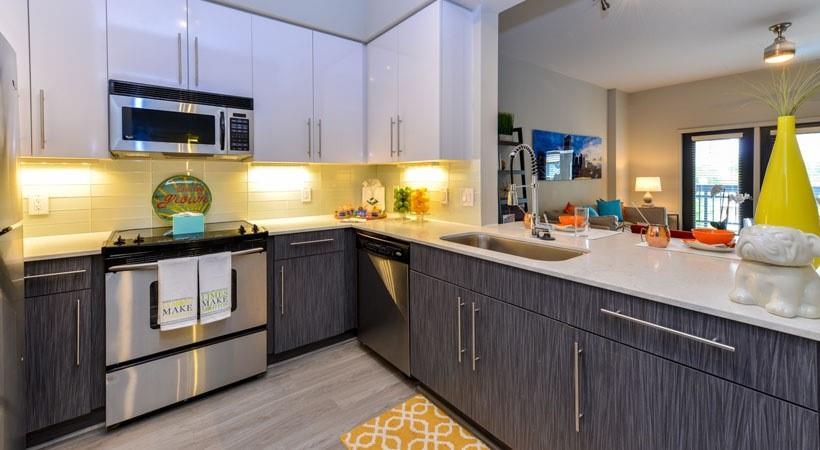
(716, 167)
(808, 137)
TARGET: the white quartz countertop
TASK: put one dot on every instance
(63, 246)
(695, 282)
(691, 281)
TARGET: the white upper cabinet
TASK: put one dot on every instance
(431, 110)
(419, 39)
(182, 44)
(382, 97)
(148, 41)
(338, 99)
(283, 91)
(308, 90)
(68, 78)
(219, 49)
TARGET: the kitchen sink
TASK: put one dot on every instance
(513, 247)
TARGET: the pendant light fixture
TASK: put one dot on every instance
(781, 50)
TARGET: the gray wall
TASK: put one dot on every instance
(657, 116)
(547, 100)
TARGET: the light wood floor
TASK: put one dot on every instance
(303, 403)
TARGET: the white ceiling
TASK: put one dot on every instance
(361, 20)
(643, 44)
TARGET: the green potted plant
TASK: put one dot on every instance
(505, 123)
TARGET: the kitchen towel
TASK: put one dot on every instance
(177, 293)
(214, 287)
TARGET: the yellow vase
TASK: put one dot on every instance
(786, 197)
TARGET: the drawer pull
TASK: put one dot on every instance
(458, 315)
(54, 274)
(576, 384)
(710, 342)
(77, 361)
(317, 241)
(472, 335)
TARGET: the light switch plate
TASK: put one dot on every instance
(445, 196)
(467, 197)
(306, 194)
(37, 205)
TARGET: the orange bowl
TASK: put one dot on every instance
(712, 236)
(570, 220)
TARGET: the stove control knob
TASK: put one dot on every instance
(120, 240)
(255, 229)
(241, 229)
(139, 239)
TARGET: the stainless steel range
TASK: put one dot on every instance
(147, 369)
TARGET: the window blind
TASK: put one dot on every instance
(714, 173)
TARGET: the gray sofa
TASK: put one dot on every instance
(654, 214)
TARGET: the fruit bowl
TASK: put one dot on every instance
(711, 236)
(570, 220)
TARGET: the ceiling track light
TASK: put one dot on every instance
(781, 50)
(604, 5)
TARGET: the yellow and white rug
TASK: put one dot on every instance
(416, 424)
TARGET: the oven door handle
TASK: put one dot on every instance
(153, 265)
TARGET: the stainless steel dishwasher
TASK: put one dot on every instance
(384, 300)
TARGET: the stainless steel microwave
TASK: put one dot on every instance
(146, 120)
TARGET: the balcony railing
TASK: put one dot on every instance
(707, 208)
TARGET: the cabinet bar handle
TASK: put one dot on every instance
(42, 119)
(460, 347)
(472, 333)
(53, 274)
(576, 382)
(319, 126)
(196, 60)
(317, 241)
(282, 289)
(711, 342)
(310, 138)
(179, 57)
(398, 135)
(392, 125)
(78, 333)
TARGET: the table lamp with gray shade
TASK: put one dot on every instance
(647, 185)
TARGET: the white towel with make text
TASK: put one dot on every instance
(177, 294)
(214, 287)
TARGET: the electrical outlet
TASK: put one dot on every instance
(37, 205)
(467, 197)
(445, 196)
(306, 194)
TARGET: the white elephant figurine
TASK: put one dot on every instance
(776, 271)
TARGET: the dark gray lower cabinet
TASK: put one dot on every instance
(310, 300)
(516, 378)
(522, 378)
(632, 400)
(438, 339)
(513, 377)
(59, 357)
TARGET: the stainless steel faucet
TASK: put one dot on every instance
(540, 229)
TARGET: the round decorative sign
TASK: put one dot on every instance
(181, 193)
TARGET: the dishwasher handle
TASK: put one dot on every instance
(383, 248)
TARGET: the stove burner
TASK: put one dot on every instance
(153, 237)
